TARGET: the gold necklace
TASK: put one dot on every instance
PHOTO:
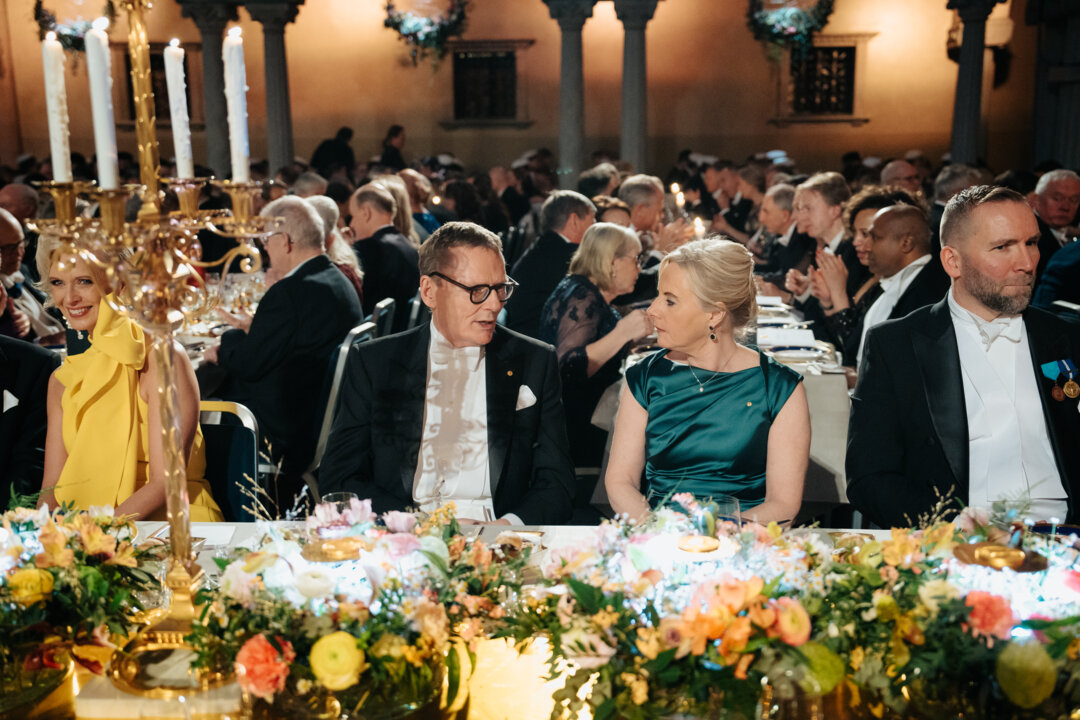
(701, 385)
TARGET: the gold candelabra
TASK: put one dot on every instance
(152, 259)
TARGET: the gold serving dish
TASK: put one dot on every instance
(998, 557)
(335, 549)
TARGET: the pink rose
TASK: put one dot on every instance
(398, 545)
(991, 615)
(260, 669)
(358, 512)
(399, 522)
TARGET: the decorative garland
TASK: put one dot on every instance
(69, 34)
(789, 26)
(427, 35)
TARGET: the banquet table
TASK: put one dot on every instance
(496, 683)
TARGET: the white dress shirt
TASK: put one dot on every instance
(893, 288)
(1009, 451)
(41, 322)
(454, 447)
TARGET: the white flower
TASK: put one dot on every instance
(96, 511)
(236, 583)
(935, 592)
(314, 583)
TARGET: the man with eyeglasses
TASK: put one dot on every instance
(459, 410)
(22, 311)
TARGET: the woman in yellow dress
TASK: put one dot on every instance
(104, 433)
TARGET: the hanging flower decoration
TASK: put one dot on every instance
(70, 34)
(427, 35)
(788, 26)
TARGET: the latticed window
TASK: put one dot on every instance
(485, 85)
(823, 81)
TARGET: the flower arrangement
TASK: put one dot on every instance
(70, 34)
(788, 26)
(69, 585)
(427, 35)
(372, 630)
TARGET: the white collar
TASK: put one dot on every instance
(441, 346)
(785, 237)
(906, 274)
(835, 242)
(1010, 327)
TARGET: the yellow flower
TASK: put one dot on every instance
(903, 550)
(1026, 673)
(887, 609)
(869, 554)
(125, 555)
(605, 619)
(774, 530)
(648, 642)
(30, 585)
(95, 540)
(54, 549)
(940, 540)
(337, 661)
(639, 688)
(412, 655)
(857, 657)
(256, 562)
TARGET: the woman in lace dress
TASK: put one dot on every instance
(589, 335)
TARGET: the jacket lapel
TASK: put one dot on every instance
(410, 413)
(503, 379)
(939, 365)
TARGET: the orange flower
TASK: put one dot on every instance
(671, 634)
(736, 637)
(792, 621)
(903, 550)
(743, 666)
(261, 669)
(762, 615)
(95, 540)
(54, 550)
(480, 556)
(991, 615)
(124, 555)
(731, 595)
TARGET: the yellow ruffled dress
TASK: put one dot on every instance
(106, 428)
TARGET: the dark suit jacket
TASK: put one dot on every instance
(1061, 278)
(24, 383)
(798, 254)
(538, 271)
(1048, 247)
(389, 262)
(278, 367)
(908, 435)
(375, 444)
(738, 214)
(928, 287)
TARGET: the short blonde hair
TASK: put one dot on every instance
(50, 248)
(721, 276)
(602, 243)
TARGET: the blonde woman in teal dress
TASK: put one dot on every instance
(707, 415)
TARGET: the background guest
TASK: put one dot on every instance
(403, 216)
(707, 415)
(590, 338)
(337, 248)
(386, 256)
(420, 192)
(1057, 199)
(611, 210)
(392, 157)
(24, 385)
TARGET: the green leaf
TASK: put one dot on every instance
(453, 673)
(590, 598)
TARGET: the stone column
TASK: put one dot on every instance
(211, 19)
(571, 16)
(634, 15)
(274, 16)
(967, 107)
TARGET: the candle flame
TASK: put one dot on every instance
(102, 24)
(235, 32)
(698, 224)
(175, 42)
(435, 200)
(50, 36)
(674, 188)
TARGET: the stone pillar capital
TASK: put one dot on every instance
(635, 14)
(210, 17)
(570, 14)
(273, 16)
(973, 11)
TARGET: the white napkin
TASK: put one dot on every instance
(11, 401)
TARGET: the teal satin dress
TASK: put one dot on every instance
(713, 438)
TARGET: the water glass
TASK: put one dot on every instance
(726, 509)
(340, 500)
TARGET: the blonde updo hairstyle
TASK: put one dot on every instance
(601, 244)
(721, 276)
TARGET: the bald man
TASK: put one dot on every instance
(22, 201)
(902, 174)
(23, 314)
(899, 253)
(969, 399)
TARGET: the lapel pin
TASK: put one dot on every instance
(509, 373)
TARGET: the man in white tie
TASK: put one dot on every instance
(973, 398)
(23, 307)
(899, 253)
(459, 410)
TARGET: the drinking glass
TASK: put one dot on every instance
(340, 500)
(727, 508)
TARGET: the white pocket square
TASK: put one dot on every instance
(11, 401)
(526, 399)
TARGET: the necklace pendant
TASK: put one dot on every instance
(701, 388)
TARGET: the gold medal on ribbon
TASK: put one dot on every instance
(1072, 389)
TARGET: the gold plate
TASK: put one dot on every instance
(996, 556)
(335, 549)
(698, 543)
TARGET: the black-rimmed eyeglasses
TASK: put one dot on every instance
(479, 293)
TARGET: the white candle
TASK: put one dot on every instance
(232, 53)
(98, 68)
(699, 228)
(178, 110)
(52, 55)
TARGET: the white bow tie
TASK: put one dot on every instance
(15, 278)
(1008, 328)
